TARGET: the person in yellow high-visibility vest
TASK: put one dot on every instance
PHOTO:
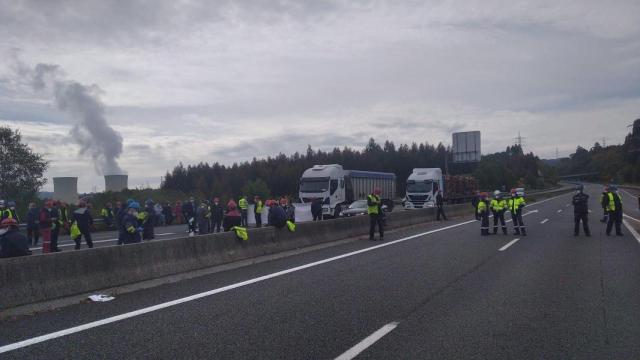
(257, 210)
(376, 217)
(243, 204)
(498, 207)
(483, 211)
(613, 202)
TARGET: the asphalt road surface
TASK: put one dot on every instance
(438, 291)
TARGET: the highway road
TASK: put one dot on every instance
(437, 291)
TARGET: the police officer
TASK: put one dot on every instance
(483, 213)
(498, 207)
(243, 204)
(613, 203)
(581, 211)
(374, 209)
(516, 204)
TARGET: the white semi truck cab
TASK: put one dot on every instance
(337, 188)
(422, 188)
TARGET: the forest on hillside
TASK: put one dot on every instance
(615, 163)
(279, 175)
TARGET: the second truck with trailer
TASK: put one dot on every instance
(423, 185)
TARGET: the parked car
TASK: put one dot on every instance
(358, 207)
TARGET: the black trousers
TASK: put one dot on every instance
(317, 216)
(244, 214)
(258, 219)
(54, 238)
(148, 232)
(440, 211)
(518, 223)
(484, 225)
(498, 216)
(87, 239)
(577, 218)
(615, 217)
(33, 234)
(373, 220)
(216, 224)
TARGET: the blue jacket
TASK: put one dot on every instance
(33, 218)
(131, 235)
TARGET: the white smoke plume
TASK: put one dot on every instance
(91, 131)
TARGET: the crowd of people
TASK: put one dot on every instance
(134, 222)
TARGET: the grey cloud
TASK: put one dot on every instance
(286, 144)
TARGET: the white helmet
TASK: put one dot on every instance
(496, 193)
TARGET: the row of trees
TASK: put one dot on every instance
(279, 175)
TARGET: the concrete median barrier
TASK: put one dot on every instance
(40, 278)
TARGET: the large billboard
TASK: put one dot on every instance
(466, 147)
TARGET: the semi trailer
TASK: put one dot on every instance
(336, 188)
(423, 185)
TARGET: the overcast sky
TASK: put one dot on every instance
(229, 80)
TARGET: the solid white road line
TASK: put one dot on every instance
(113, 319)
(632, 218)
(544, 221)
(508, 244)
(367, 342)
(632, 230)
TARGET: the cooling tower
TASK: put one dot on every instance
(65, 189)
(115, 182)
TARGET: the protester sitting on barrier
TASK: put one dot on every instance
(82, 217)
(277, 215)
(12, 242)
(131, 229)
(232, 217)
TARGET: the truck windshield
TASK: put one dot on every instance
(314, 185)
(419, 186)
